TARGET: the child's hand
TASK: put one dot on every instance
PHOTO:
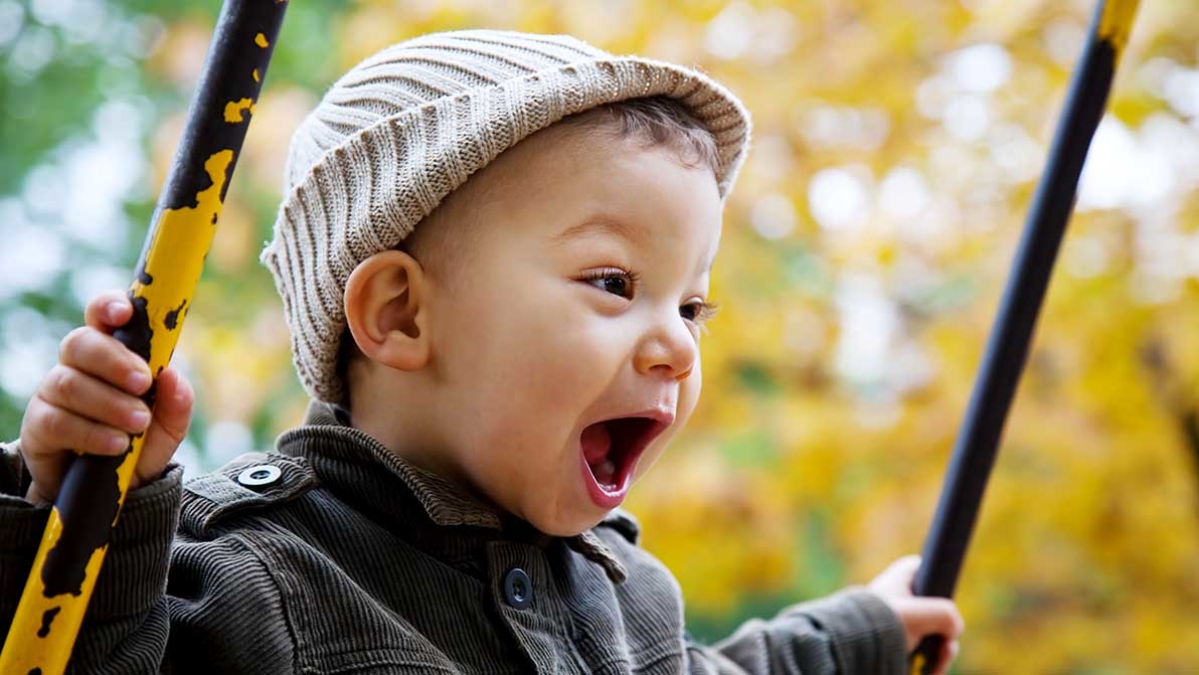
(89, 403)
(920, 616)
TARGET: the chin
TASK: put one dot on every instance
(568, 526)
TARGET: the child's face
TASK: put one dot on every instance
(585, 269)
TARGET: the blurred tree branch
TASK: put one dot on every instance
(1174, 393)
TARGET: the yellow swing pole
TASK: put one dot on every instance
(72, 549)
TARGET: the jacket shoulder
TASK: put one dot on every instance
(647, 577)
(251, 482)
(623, 523)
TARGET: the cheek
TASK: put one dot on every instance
(689, 392)
(531, 352)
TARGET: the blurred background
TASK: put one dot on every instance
(897, 146)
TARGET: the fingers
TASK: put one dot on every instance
(929, 616)
(172, 417)
(937, 616)
(90, 402)
(48, 428)
(88, 350)
(84, 395)
(47, 470)
(49, 433)
(897, 578)
(89, 416)
(905, 568)
(949, 652)
(108, 311)
(920, 616)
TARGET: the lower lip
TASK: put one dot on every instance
(601, 497)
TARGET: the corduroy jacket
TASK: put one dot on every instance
(333, 555)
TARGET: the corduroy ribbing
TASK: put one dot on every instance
(353, 562)
(407, 126)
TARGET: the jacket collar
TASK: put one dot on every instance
(328, 427)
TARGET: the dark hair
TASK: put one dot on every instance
(658, 121)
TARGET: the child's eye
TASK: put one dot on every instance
(698, 312)
(612, 280)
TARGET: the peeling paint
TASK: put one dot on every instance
(233, 110)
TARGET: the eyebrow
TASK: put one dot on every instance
(603, 224)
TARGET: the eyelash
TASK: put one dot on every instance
(704, 311)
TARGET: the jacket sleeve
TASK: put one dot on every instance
(849, 633)
(126, 625)
(135, 623)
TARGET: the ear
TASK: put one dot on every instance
(383, 309)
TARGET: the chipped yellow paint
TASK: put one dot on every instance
(174, 259)
(51, 653)
(233, 110)
(261, 41)
(256, 77)
(1115, 24)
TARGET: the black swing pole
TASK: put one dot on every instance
(1007, 348)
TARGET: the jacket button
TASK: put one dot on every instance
(262, 474)
(518, 590)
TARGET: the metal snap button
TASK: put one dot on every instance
(261, 474)
(518, 590)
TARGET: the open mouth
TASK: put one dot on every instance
(610, 452)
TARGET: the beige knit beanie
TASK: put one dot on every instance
(407, 126)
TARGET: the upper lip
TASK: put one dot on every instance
(663, 416)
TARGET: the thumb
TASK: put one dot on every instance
(898, 577)
(172, 417)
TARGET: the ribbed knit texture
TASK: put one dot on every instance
(407, 126)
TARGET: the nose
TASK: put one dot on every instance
(669, 348)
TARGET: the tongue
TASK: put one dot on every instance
(597, 443)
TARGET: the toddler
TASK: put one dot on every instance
(494, 253)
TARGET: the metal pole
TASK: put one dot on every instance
(72, 550)
(1007, 349)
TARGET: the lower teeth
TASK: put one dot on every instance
(605, 473)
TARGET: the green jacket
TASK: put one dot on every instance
(333, 555)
